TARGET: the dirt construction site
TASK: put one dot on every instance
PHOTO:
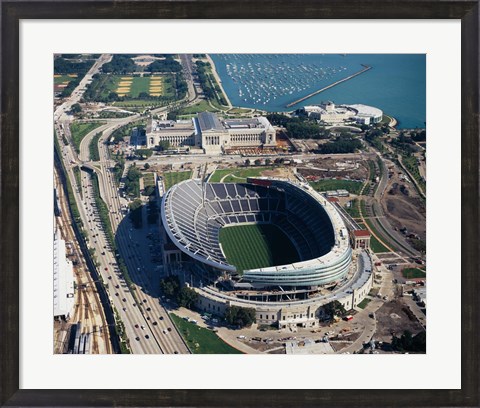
(394, 318)
(403, 206)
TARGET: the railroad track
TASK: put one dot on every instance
(85, 300)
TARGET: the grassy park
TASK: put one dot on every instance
(353, 187)
(80, 129)
(200, 340)
(174, 177)
(413, 273)
(236, 175)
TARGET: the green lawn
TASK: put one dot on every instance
(104, 84)
(410, 273)
(175, 177)
(80, 130)
(238, 111)
(353, 210)
(61, 79)
(201, 340)
(385, 120)
(256, 246)
(375, 245)
(363, 303)
(148, 179)
(238, 175)
(202, 106)
(354, 187)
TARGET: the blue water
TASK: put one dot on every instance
(396, 83)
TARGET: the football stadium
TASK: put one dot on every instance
(271, 244)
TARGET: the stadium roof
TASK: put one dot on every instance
(192, 214)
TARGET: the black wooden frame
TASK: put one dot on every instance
(15, 10)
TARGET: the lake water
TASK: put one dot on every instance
(396, 83)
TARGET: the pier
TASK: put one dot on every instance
(365, 68)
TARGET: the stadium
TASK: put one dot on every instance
(194, 215)
(220, 229)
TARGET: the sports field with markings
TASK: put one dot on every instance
(130, 86)
(256, 245)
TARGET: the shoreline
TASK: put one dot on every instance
(219, 81)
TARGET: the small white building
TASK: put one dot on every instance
(333, 114)
(63, 278)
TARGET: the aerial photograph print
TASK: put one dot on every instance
(239, 204)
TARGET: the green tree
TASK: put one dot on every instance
(149, 190)
(136, 213)
(144, 153)
(76, 108)
(408, 342)
(334, 308)
(170, 285)
(186, 297)
(113, 96)
(146, 166)
(163, 145)
(240, 316)
(419, 245)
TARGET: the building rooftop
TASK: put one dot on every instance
(361, 233)
(209, 121)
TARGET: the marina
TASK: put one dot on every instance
(366, 68)
(271, 82)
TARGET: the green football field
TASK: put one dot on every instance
(256, 246)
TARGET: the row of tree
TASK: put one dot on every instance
(166, 65)
(120, 64)
(132, 184)
(206, 83)
(341, 145)
(63, 67)
(408, 342)
(187, 297)
(240, 316)
(299, 127)
(136, 213)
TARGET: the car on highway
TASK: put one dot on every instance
(136, 326)
(147, 336)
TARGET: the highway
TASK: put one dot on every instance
(147, 324)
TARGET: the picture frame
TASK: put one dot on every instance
(14, 11)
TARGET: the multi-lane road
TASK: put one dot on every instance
(148, 326)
